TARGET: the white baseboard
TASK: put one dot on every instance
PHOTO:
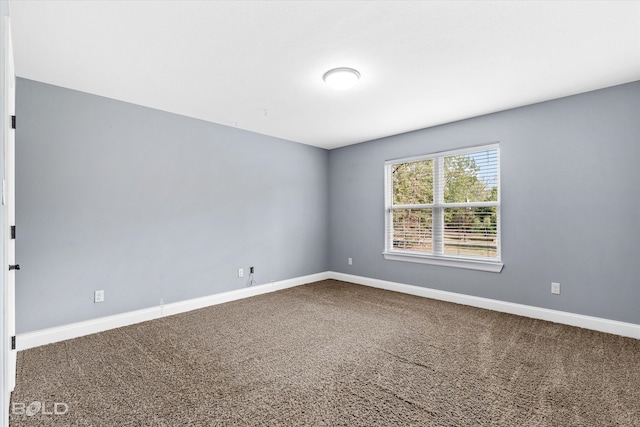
(75, 330)
(588, 322)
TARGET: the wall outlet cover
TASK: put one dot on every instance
(98, 296)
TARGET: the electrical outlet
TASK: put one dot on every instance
(240, 272)
(98, 296)
(350, 261)
(555, 288)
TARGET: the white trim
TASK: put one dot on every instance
(624, 329)
(454, 152)
(75, 330)
(7, 282)
(470, 264)
(445, 205)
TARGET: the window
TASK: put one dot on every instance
(444, 209)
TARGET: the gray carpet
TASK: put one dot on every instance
(334, 354)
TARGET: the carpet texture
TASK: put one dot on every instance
(333, 354)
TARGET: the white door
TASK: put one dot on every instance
(8, 199)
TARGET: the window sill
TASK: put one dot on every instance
(470, 264)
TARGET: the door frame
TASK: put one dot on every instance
(7, 216)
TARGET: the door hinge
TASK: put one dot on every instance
(13, 231)
(13, 122)
(13, 342)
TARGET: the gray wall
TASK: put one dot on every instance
(148, 205)
(570, 204)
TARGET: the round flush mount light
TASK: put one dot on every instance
(341, 78)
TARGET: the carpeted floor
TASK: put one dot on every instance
(333, 354)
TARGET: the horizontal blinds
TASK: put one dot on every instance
(445, 204)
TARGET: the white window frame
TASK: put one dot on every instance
(437, 257)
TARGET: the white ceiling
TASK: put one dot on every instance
(258, 65)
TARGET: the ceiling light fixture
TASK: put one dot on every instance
(341, 78)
